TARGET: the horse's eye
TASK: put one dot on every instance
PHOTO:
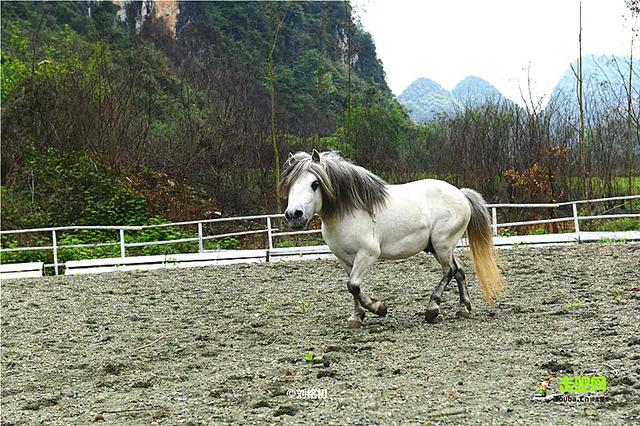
(315, 185)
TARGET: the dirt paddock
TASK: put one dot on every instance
(231, 344)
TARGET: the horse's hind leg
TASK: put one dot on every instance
(362, 261)
(464, 309)
(433, 308)
(449, 269)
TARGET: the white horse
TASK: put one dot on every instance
(365, 219)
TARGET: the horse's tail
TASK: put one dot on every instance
(482, 249)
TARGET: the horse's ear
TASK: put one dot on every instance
(315, 156)
(290, 155)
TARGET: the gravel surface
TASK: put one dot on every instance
(228, 344)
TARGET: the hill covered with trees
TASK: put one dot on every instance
(114, 113)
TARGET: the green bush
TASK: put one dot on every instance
(59, 189)
(228, 243)
(160, 234)
(24, 256)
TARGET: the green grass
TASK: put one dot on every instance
(538, 231)
(284, 244)
(612, 225)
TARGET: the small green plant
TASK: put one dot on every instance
(617, 295)
(520, 245)
(310, 357)
(575, 304)
(612, 241)
(538, 231)
(507, 232)
(306, 305)
(544, 387)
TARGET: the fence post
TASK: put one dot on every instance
(494, 220)
(122, 247)
(270, 233)
(200, 242)
(55, 251)
(270, 237)
(576, 222)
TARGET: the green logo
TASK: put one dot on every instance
(582, 384)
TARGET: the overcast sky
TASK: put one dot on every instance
(493, 39)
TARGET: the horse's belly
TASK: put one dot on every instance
(405, 246)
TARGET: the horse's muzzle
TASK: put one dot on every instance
(296, 219)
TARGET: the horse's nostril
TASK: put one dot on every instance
(297, 214)
(287, 215)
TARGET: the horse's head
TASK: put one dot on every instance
(302, 179)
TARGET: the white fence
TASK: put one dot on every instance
(272, 253)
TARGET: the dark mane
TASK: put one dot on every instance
(345, 186)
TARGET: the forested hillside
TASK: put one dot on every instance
(111, 118)
(139, 112)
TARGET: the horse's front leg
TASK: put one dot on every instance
(361, 263)
(356, 319)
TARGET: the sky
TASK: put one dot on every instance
(502, 41)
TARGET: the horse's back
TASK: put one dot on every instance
(419, 212)
(445, 205)
(434, 197)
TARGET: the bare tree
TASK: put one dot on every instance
(580, 92)
(273, 38)
(349, 31)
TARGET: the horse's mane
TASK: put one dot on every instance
(345, 186)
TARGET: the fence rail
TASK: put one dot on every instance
(271, 232)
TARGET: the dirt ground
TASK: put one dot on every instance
(229, 344)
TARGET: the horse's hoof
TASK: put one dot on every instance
(356, 319)
(431, 315)
(463, 312)
(354, 322)
(381, 310)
